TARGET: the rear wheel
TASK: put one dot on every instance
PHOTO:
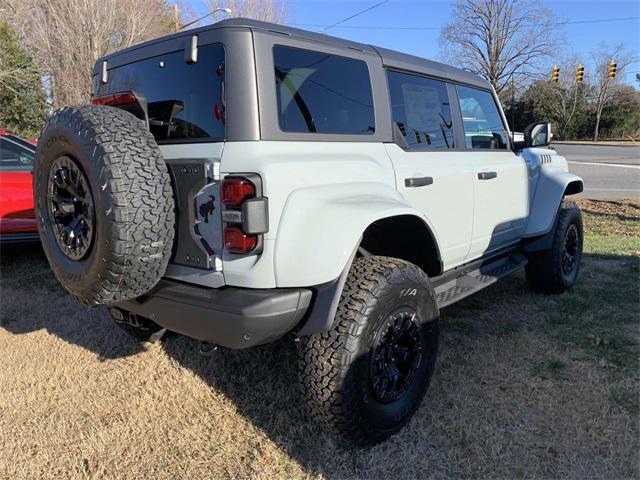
(556, 269)
(364, 378)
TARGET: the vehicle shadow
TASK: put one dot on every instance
(261, 382)
(31, 299)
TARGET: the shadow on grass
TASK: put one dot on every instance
(262, 381)
(31, 299)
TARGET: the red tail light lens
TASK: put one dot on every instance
(237, 190)
(114, 99)
(236, 241)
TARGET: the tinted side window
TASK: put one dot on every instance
(483, 127)
(322, 93)
(14, 157)
(420, 110)
(186, 101)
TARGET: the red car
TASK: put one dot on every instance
(17, 219)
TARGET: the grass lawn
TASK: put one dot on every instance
(526, 386)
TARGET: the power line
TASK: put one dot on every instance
(213, 12)
(356, 15)
(383, 27)
(599, 20)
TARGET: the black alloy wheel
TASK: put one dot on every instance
(570, 252)
(71, 208)
(396, 356)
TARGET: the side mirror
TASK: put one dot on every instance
(537, 135)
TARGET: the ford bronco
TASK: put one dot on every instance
(244, 181)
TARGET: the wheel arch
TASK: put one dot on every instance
(574, 187)
(406, 237)
(553, 185)
(376, 239)
(321, 226)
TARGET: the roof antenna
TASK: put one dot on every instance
(226, 10)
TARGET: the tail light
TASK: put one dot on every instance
(245, 213)
(236, 241)
(115, 99)
(236, 190)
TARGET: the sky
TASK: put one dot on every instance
(581, 38)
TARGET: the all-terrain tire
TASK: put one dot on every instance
(132, 199)
(545, 271)
(337, 369)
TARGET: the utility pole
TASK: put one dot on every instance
(513, 107)
(176, 17)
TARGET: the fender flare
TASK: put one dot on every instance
(321, 226)
(552, 186)
(345, 212)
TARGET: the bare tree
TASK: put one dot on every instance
(68, 36)
(499, 39)
(567, 93)
(266, 10)
(606, 88)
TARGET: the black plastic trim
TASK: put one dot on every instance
(19, 238)
(230, 317)
(463, 269)
(325, 303)
(255, 216)
(418, 181)
(487, 175)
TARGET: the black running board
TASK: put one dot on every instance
(472, 281)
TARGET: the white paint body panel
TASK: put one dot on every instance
(322, 196)
(549, 182)
(447, 203)
(501, 204)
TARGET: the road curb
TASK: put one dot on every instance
(599, 144)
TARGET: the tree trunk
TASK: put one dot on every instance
(595, 133)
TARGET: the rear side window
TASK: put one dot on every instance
(15, 157)
(483, 126)
(185, 100)
(322, 93)
(420, 111)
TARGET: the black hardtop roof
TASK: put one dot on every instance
(390, 58)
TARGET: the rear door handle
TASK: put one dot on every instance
(487, 175)
(418, 181)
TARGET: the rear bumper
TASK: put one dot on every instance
(231, 317)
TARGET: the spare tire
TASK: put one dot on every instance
(104, 203)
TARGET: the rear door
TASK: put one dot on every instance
(16, 192)
(432, 173)
(501, 187)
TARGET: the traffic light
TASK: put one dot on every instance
(555, 73)
(579, 73)
(613, 66)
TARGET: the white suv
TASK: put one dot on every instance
(247, 180)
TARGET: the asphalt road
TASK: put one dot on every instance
(610, 172)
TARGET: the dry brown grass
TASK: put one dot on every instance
(526, 386)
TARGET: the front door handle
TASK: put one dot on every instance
(418, 181)
(487, 175)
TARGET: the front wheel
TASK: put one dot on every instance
(365, 378)
(556, 269)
